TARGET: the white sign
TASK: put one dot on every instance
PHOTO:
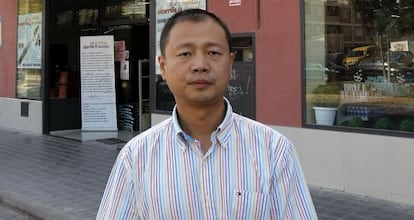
(164, 10)
(399, 46)
(98, 101)
(234, 2)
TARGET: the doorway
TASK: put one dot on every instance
(67, 21)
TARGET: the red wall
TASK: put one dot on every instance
(278, 54)
(8, 11)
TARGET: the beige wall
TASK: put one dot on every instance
(365, 164)
(10, 115)
(374, 165)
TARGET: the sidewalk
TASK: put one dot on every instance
(58, 178)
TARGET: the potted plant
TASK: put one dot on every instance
(383, 123)
(356, 121)
(407, 125)
(325, 103)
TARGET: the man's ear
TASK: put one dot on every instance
(161, 62)
(232, 57)
(231, 65)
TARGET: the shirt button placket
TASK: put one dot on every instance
(205, 190)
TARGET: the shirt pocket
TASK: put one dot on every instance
(250, 205)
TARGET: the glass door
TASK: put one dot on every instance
(125, 20)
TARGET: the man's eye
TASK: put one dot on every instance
(214, 53)
(184, 54)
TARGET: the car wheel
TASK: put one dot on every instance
(358, 76)
(400, 78)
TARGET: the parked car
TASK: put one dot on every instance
(331, 71)
(404, 58)
(404, 75)
(342, 73)
(400, 71)
(359, 53)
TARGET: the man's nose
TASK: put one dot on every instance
(200, 63)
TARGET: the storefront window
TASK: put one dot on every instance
(359, 64)
(29, 49)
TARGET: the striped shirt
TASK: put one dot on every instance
(250, 172)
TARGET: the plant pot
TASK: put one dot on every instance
(325, 115)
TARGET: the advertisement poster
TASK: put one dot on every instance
(29, 52)
(124, 71)
(399, 46)
(98, 101)
(164, 10)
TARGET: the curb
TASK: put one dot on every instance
(32, 208)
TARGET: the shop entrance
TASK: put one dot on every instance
(68, 21)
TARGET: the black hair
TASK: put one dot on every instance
(194, 15)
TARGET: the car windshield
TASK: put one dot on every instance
(357, 53)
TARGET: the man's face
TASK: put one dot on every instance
(197, 62)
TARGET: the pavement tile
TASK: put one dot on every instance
(59, 178)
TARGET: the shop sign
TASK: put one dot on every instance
(234, 2)
(134, 8)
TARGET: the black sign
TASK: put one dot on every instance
(241, 91)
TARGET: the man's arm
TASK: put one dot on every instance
(291, 198)
(119, 201)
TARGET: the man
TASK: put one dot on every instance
(205, 162)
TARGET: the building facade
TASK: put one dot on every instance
(289, 57)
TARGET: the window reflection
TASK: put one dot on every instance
(29, 49)
(359, 63)
(126, 9)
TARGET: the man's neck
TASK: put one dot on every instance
(199, 123)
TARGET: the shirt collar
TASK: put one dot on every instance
(222, 133)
